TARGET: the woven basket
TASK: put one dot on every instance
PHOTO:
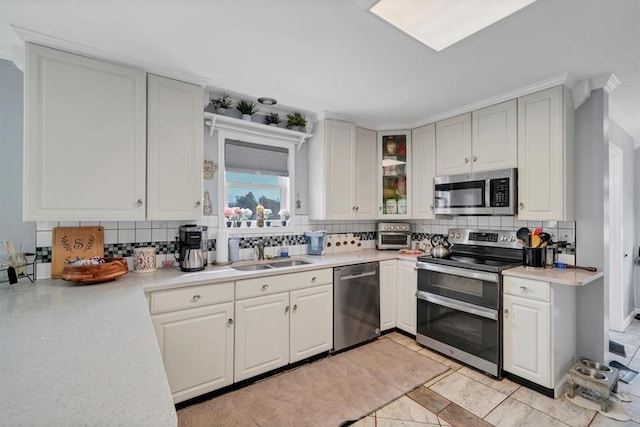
(99, 273)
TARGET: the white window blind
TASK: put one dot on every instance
(240, 156)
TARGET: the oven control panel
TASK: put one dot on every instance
(494, 238)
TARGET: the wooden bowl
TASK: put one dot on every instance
(99, 273)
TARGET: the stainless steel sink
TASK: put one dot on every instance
(290, 263)
(275, 264)
(252, 267)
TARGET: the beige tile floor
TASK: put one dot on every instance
(465, 397)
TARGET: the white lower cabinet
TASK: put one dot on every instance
(196, 344)
(262, 335)
(311, 322)
(406, 309)
(539, 324)
(291, 320)
(527, 351)
(388, 294)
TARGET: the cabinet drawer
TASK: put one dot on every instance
(192, 296)
(281, 283)
(527, 288)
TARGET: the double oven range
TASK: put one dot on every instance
(459, 298)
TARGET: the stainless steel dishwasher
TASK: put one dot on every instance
(356, 304)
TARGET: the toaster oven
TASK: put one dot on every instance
(393, 235)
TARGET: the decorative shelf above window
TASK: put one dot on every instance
(217, 121)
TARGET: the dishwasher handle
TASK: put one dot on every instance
(358, 275)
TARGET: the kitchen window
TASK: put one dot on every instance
(256, 171)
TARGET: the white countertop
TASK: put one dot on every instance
(87, 355)
(568, 276)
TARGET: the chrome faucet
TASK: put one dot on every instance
(260, 249)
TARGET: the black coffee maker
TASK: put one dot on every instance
(190, 256)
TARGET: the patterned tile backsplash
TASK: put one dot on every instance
(121, 237)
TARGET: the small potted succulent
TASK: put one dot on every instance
(230, 215)
(267, 213)
(272, 119)
(296, 121)
(246, 215)
(247, 108)
(284, 216)
(222, 103)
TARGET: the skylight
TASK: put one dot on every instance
(441, 23)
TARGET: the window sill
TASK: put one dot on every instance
(290, 228)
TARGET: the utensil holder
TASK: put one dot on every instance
(534, 258)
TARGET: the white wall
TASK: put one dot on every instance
(624, 141)
(11, 226)
(592, 159)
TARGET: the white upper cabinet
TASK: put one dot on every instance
(453, 145)
(366, 174)
(85, 139)
(494, 137)
(174, 149)
(546, 155)
(479, 141)
(341, 172)
(423, 144)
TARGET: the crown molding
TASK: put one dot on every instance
(32, 36)
(581, 91)
(607, 82)
(565, 79)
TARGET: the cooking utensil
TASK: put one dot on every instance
(441, 247)
(75, 242)
(562, 265)
(537, 231)
(523, 234)
(546, 237)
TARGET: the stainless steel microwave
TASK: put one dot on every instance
(478, 193)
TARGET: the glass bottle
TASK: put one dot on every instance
(207, 206)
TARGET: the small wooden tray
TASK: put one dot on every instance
(99, 273)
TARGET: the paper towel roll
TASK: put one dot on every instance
(222, 246)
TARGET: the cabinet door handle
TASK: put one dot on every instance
(430, 207)
(466, 160)
(313, 279)
(286, 309)
(139, 202)
(523, 289)
(521, 206)
(230, 321)
(295, 307)
(475, 158)
(196, 297)
(198, 204)
(353, 208)
(357, 208)
(265, 287)
(506, 313)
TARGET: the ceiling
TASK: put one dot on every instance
(335, 58)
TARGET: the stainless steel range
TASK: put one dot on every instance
(460, 297)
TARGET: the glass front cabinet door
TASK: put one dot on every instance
(394, 159)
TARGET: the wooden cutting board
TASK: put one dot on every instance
(74, 242)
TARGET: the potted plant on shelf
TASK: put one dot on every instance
(246, 215)
(284, 216)
(247, 109)
(272, 119)
(267, 213)
(222, 103)
(296, 121)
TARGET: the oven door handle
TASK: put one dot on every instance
(456, 271)
(458, 305)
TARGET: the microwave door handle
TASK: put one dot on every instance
(458, 305)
